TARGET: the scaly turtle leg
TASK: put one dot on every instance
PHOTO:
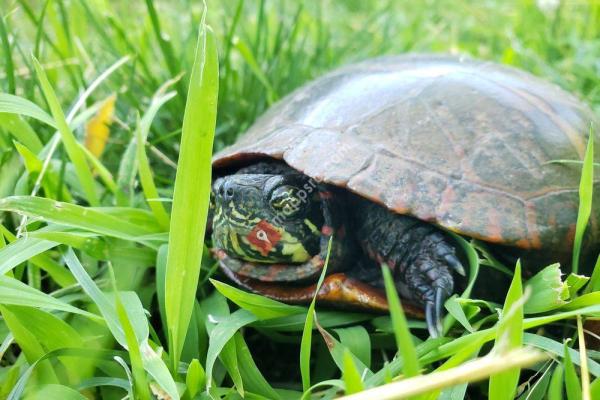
(420, 256)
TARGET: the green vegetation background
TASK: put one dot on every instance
(266, 49)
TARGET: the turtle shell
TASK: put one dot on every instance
(465, 144)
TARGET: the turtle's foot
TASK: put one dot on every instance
(429, 279)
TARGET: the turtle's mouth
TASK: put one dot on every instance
(307, 271)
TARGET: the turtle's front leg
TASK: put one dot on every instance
(420, 256)
(425, 271)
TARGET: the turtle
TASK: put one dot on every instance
(381, 163)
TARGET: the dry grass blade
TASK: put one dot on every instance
(472, 371)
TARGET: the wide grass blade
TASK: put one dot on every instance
(547, 289)
(509, 337)
(351, 375)
(12, 104)
(21, 131)
(15, 292)
(555, 389)
(191, 192)
(73, 150)
(263, 307)
(572, 383)
(126, 225)
(404, 341)
(152, 362)
(221, 336)
(586, 189)
(195, 378)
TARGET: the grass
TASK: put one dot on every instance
(107, 289)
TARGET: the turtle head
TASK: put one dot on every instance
(267, 218)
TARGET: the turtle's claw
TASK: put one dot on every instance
(433, 314)
(455, 264)
(432, 320)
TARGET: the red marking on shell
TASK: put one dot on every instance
(326, 230)
(494, 230)
(532, 227)
(264, 237)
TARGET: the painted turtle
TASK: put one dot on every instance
(385, 155)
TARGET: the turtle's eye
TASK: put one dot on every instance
(288, 200)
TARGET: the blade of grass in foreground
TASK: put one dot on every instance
(509, 336)
(306, 340)
(586, 188)
(404, 341)
(585, 376)
(471, 371)
(74, 152)
(192, 191)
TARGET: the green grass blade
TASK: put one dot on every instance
(55, 391)
(404, 340)
(88, 353)
(594, 282)
(9, 66)
(152, 362)
(586, 189)
(572, 383)
(147, 181)
(195, 378)
(76, 155)
(555, 390)
(15, 292)
(509, 337)
(263, 307)
(163, 42)
(29, 344)
(191, 192)
(357, 340)
(253, 379)
(21, 131)
(142, 390)
(12, 104)
(101, 221)
(221, 336)
(556, 348)
(585, 376)
(547, 289)
(306, 341)
(350, 375)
